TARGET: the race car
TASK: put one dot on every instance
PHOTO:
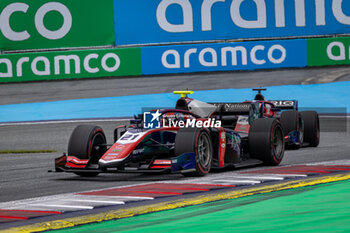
(190, 139)
(299, 128)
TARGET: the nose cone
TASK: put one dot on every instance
(116, 155)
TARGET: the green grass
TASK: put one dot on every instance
(26, 151)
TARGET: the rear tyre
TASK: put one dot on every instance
(197, 141)
(292, 121)
(83, 144)
(311, 128)
(266, 141)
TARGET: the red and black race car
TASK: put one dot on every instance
(299, 128)
(190, 139)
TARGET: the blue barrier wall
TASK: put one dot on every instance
(307, 95)
(224, 56)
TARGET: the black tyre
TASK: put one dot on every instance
(311, 128)
(292, 121)
(197, 141)
(83, 144)
(266, 141)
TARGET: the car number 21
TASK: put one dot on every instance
(130, 138)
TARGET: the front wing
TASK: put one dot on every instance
(180, 164)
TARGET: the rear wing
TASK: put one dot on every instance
(234, 108)
(285, 104)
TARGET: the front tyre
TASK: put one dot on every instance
(84, 144)
(199, 142)
(266, 141)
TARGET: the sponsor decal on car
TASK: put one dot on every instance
(113, 153)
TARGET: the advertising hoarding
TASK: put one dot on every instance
(224, 56)
(328, 51)
(70, 64)
(42, 24)
(176, 21)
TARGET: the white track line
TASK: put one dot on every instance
(258, 177)
(132, 197)
(116, 197)
(292, 175)
(288, 175)
(64, 206)
(330, 163)
(239, 181)
(96, 201)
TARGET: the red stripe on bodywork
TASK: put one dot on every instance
(76, 160)
(162, 161)
(222, 146)
(69, 164)
(165, 166)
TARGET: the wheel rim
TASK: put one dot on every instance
(204, 150)
(301, 133)
(278, 143)
(98, 139)
(317, 129)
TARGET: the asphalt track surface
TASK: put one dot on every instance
(25, 175)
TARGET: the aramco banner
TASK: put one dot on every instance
(224, 56)
(328, 51)
(40, 24)
(174, 21)
(70, 64)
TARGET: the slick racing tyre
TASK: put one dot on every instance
(198, 141)
(266, 141)
(292, 121)
(312, 128)
(83, 144)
